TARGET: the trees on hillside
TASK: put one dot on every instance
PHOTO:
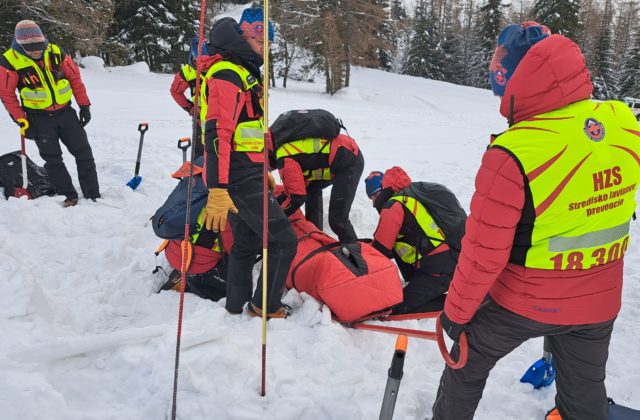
(560, 16)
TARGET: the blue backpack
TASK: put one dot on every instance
(168, 221)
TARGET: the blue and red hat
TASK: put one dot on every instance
(29, 36)
(252, 24)
(373, 183)
(513, 43)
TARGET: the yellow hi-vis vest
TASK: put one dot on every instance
(582, 166)
(308, 146)
(248, 136)
(408, 252)
(40, 88)
(199, 227)
(189, 75)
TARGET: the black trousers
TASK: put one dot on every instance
(247, 235)
(580, 353)
(424, 292)
(49, 130)
(343, 192)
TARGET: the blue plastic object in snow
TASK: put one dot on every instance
(137, 179)
(541, 374)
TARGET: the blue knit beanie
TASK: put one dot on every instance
(193, 52)
(513, 43)
(252, 24)
(373, 183)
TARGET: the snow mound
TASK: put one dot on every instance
(135, 68)
(92, 63)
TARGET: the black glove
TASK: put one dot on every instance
(453, 329)
(85, 115)
(30, 134)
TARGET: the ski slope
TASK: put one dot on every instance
(85, 336)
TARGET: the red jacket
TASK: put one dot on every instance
(9, 85)
(178, 88)
(551, 75)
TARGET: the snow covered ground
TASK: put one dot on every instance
(85, 336)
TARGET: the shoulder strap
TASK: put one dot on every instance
(308, 257)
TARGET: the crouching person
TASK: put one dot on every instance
(416, 232)
(550, 265)
(207, 262)
(232, 122)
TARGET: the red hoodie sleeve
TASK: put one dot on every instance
(295, 186)
(72, 74)
(8, 87)
(496, 208)
(225, 102)
(391, 220)
(178, 87)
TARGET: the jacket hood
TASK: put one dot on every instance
(552, 74)
(225, 39)
(396, 179)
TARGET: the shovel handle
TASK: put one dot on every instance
(24, 125)
(143, 126)
(464, 348)
(183, 140)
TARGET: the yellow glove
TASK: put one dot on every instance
(271, 182)
(219, 204)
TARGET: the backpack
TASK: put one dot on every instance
(445, 209)
(168, 221)
(306, 123)
(11, 176)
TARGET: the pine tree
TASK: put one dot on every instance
(9, 16)
(630, 74)
(560, 16)
(425, 57)
(602, 70)
(488, 28)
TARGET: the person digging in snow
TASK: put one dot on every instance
(408, 232)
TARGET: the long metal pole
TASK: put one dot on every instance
(186, 248)
(265, 192)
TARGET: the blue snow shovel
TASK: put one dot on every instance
(542, 373)
(136, 180)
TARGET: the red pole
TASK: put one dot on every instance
(186, 249)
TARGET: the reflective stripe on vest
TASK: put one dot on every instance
(189, 75)
(583, 168)
(199, 227)
(409, 252)
(43, 96)
(248, 136)
(308, 146)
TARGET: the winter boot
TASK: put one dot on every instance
(70, 202)
(173, 283)
(282, 312)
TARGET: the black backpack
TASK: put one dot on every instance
(305, 123)
(445, 209)
(11, 176)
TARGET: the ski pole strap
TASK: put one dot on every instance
(24, 125)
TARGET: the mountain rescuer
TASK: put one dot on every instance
(408, 232)
(47, 78)
(185, 80)
(307, 166)
(233, 125)
(531, 264)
